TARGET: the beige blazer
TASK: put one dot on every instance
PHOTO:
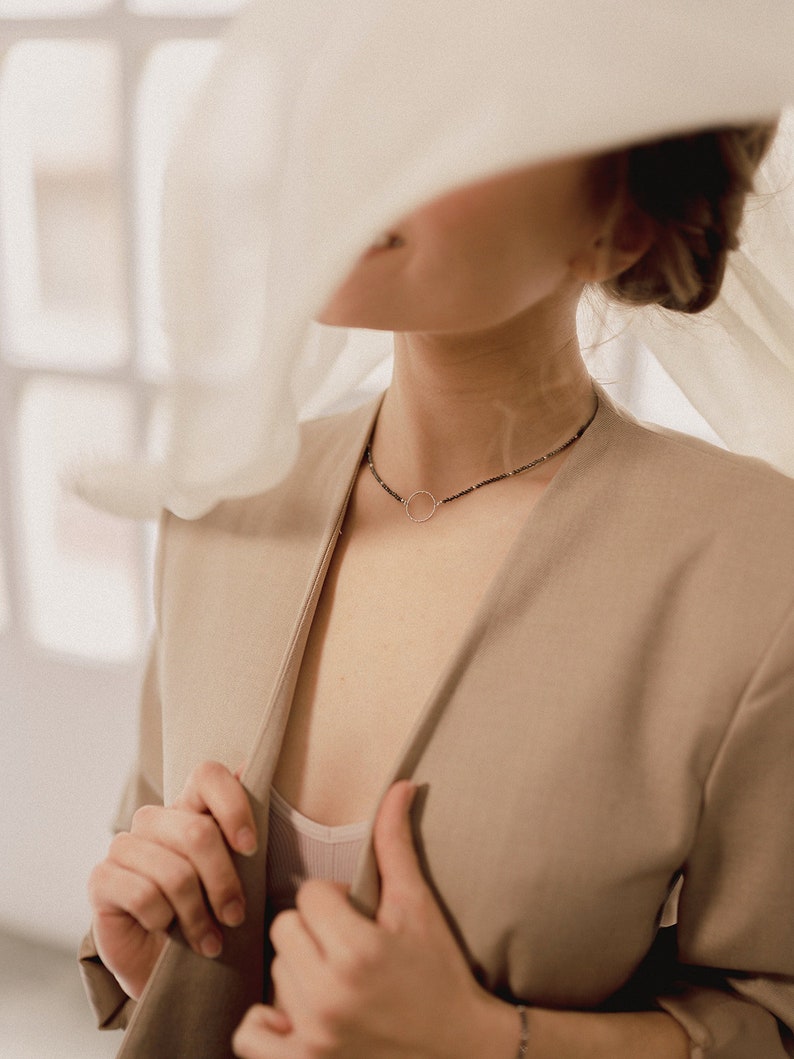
(620, 710)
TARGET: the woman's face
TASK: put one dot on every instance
(478, 256)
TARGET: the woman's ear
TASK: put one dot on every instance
(619, 245)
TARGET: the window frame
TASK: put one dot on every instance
(134, 34)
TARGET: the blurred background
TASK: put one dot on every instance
(90, 93)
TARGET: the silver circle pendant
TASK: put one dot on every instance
(433, 501)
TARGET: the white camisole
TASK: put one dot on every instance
(299, 849)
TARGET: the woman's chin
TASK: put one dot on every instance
(345, 315)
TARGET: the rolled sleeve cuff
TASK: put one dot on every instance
(722, 1025)
(111, 1005)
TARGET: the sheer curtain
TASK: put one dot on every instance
(322, 126)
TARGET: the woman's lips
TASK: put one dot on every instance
(387, 241)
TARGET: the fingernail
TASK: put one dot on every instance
(246, 841)
(233, 914)
(210, 946)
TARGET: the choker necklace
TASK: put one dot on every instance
(477, 485)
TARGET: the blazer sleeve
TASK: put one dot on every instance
(111, 1004)
(735, 933)
(112, 1007)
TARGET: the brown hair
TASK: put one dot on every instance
(692, 189)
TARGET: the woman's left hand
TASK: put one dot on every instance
(399, 986)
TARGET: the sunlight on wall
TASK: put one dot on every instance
(72, 553)
(184, 7)
(47, 8)
(67, 298)
(64, 290)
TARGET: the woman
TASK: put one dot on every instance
(596, 700)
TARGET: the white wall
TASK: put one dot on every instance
(68, 737)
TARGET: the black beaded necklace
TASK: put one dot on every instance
(477, 485)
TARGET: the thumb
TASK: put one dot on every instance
(403, 886)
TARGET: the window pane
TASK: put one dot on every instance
(184, 7)
(81, 566)
(172, 75)
(60, 205)
(46, 8)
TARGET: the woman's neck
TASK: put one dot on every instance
(464, 407)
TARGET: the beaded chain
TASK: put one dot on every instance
(477, 485)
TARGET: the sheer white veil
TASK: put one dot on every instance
(321, 124)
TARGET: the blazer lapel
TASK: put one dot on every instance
(191, 1005)
(544, 525)
(331, 485)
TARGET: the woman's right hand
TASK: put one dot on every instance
(174, 864)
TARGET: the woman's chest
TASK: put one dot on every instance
(387, 625)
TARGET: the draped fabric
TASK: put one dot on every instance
(322, 124)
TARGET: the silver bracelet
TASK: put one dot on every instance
(524, 1039)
